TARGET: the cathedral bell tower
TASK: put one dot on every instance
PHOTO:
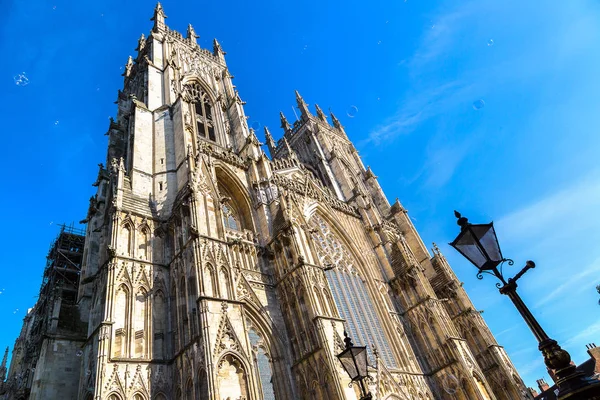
(211, 271)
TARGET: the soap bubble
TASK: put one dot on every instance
(56, 122)
(450, 384)
(490, 42)
(88, 372)
(21, 79)
(352, 111)
(79, 353)
(479, 104)
(255, 125)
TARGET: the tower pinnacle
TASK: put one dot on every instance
(217, 49)
(191, 34)
(320, 113)
(158, 18)
(284, 123)
(336, 122)
(270, 142)
(302, 106)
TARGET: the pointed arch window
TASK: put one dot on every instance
(205, 126)
(350, 292)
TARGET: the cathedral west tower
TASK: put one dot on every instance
(211, 271)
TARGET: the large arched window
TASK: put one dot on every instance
(350, 292)
(263, 365)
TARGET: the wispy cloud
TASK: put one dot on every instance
(559, 214)
(590, 334)
(570, 284)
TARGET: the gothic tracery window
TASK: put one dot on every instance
(350, 292)
(204, 118)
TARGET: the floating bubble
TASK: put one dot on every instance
(352, 111)
(14, 312)
(490, 42)
(21, 80)
(255, 125)
(479, 104)
(54, 7)
(55, 122)
(379, 42)
(450, 384)
(88, 372)
(79, 353)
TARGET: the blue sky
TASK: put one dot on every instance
(402, 76)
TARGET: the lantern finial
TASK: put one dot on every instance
(462, 221)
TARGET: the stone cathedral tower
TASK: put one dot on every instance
(211, 271)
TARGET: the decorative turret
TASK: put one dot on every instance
(218, 50)
(320, 113)
(158, 18)
(284, 123)
(191, 34)
(302, 106)
(270, 142)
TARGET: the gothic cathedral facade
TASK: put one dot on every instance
(212, 271)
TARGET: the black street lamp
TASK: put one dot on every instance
(354, 361)
(478, 244)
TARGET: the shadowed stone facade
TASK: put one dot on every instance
(212, 271)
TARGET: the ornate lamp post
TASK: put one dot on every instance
(478, 244)
(354, 361)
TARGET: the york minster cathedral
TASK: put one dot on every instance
(211, 270)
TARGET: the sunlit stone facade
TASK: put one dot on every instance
(212, 271)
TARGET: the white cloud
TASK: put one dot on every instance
(589, 334)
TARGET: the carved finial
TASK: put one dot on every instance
(191, 34)
(336, 122)
(270, 142)
(217, 49)
(158, 18)
(302, 106)
(128, 67)
(436, 249)
(347, 340)
(284, 123)
(141, 43)
(320, 113)
(462, 221)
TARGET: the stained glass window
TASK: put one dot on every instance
(350, 293)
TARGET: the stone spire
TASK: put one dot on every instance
(302, 106)
(191, 34)
(284, 123)
(320, 113)
(158, 18)
(3, 366)
(270, 142)
(218, 50)
(336, 122)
